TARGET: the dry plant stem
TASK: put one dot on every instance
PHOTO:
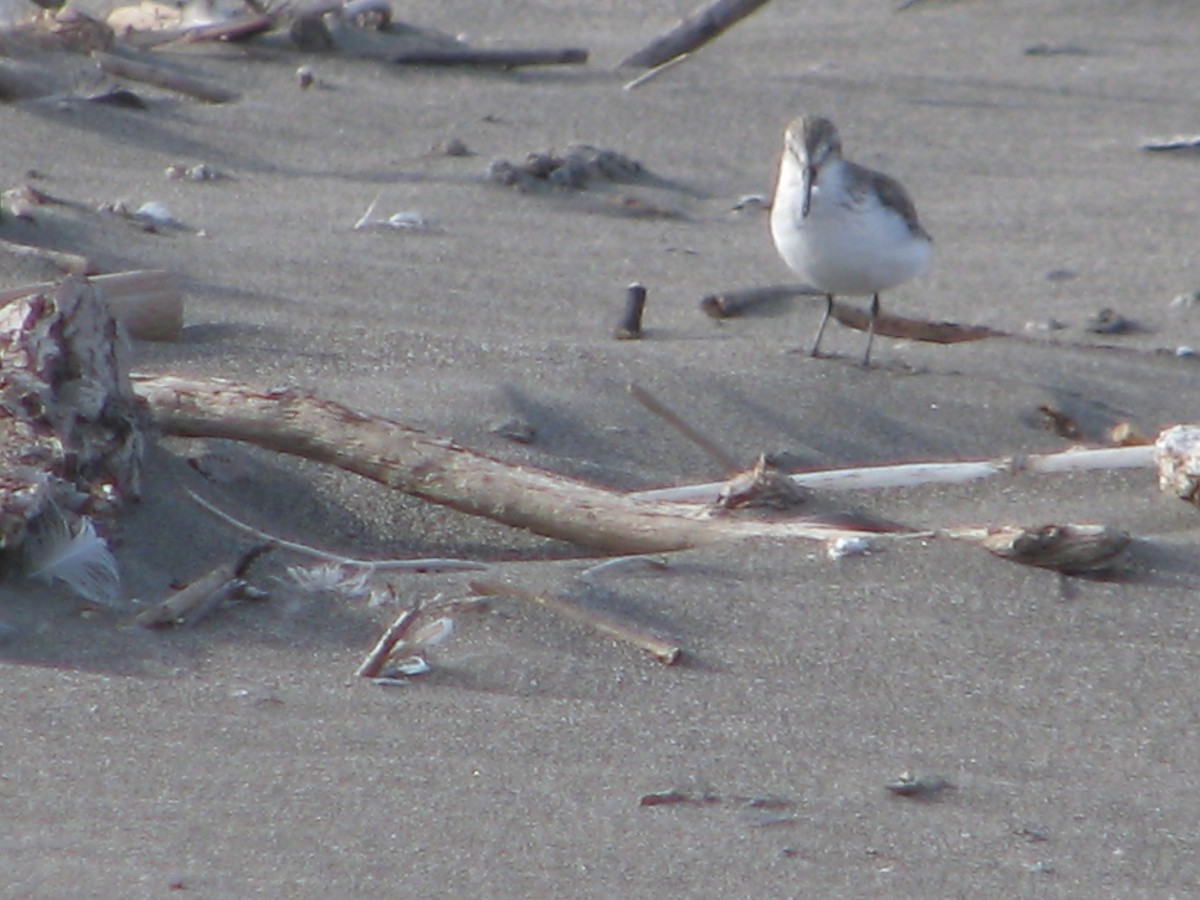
(663, 650)
(376, 565)
(668, 415)
(729, 304)
(655, 72)
(162, 77)
(393, 635)
(438, 470)
(499, 59)
(697, 28)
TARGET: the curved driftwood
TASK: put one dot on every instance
(438, 470)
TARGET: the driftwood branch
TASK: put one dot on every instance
(699, 27)
(163, 77)
(146, 301)
(440, 471)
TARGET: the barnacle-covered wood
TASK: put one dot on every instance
(68, 427)
(1177, 456)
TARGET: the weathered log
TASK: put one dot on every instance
(698, 27)
(440, 471)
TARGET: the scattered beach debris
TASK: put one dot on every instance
(147, 302)
(78, 557)
(1069, 549)
(1043, 49)
(758, 301)
(697, 28)
(623, 564)
(1061, 423)
(384, 664)
(1177, 458)
(204, 596)
(653, 404)
(762, 485)
(764, 811)
(409, 220)
(919, 787)
(1182, 143)
(840, 547)
(155, 72)
(305, 77)
(575, 168)
(630, 326)
(1187, 301)
(331, 579)
(515, 429)
(196, 172)
(1109, 321)
(604, 622)
(70, 430)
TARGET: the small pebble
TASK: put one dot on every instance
(304, 77)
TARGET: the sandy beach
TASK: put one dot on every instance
(242, 757)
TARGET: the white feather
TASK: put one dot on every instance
(81, 561)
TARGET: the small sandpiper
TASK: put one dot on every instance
(843, 228)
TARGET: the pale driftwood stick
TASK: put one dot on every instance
(72, 263)
(500, 59)
(146, 301)
(654, 405)
(387, 641)
(192, 603)
(915, 474)
(663, 650)
(697, 28)
(163, 78)
(440, 471)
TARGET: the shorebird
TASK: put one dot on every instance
(845, 229)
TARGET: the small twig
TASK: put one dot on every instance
(669, 416)
(663, 650)
(655, 72)
(697, 28)
(762, 300)
(375, 565)
(608, 566)
(394, 633)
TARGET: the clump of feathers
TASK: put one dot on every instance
(77, 557)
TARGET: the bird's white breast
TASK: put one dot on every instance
(850, 243)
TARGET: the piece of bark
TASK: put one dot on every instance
(438, 470)
(163, 77)
(69, 430)
(146, 301)
(662, 649)
(202, 597)
(697, 28)
(912, 329)
(494, 58)
(1070, 549)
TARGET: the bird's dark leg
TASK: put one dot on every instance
(866, 360)
(816, 344)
